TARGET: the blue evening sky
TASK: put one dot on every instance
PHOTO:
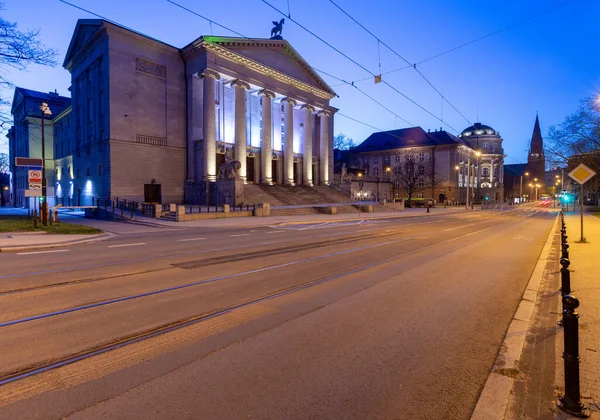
(545, 65)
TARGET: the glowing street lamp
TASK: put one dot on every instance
(521, 191)
(478, 155)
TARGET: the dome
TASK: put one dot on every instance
(478, 129)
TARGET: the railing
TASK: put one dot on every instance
(243, 207)
(340, 188)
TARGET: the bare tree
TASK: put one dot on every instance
(343, 142)
(414, 175)
(18, 50)
(4, 177)
(578, 134)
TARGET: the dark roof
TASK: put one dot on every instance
(537, 144)
(517, 169)
(478, 129)
(51, 96)
(407, 137)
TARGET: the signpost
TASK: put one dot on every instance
(581, 174)
(25, 161)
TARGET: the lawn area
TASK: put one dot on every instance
(23, 224)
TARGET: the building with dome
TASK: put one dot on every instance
(487, 144)
(411, 162)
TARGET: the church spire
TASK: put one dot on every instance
(536, 147)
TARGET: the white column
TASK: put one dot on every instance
(266, 138)
(324, 146)
(240, 125)
(492, 172)
(308, 145)
(288, 146)
(209, 124)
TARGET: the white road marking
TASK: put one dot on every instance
(122, 245)
(241, 234)
(277, 231)
(42, 252)
(190, 239)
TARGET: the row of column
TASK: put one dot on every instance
(266, 150)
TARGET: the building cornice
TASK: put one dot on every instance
(256, 66)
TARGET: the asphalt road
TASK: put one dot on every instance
(383, 319)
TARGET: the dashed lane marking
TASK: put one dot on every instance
(124, 245)
(42, 252)
(190, 239)
(241, 234)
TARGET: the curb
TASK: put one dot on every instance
(350, 219)
(493, 400)
(98, 238)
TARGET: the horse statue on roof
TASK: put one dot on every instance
(276, 31)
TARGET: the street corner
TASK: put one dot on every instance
(44, 241)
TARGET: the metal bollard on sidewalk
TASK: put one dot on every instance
(565, 277)
(570, 402)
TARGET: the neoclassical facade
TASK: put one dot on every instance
(262, 101)
(489, 160)
(152, 122)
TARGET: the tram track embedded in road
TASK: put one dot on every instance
(33, 370)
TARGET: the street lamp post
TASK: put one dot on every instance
(521, 192)
(478, 155)
(45, 111)
(468, 182)
(457, 168)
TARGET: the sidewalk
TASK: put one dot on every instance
(13, 242)
(539, 377)
(252, 222)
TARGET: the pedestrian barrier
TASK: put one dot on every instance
(570, 402)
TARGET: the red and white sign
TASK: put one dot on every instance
(35, 177)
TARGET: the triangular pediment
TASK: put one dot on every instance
(276, 54)
(83, 32)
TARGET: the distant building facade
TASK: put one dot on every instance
(25, 139)
(488, 143)
(148, 118)
(451, 163)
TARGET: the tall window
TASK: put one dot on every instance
(485, 172)
(376, 171)
(397, 158)
(375, 160)
(421, 156)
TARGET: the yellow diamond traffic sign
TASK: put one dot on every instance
(582, 173)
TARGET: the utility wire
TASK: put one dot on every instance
(512, 25)
(344, 82)
(231, 30)
(361, 66)
(379, 41)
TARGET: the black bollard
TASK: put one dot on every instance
(571, 401)
(565, 251)
(565, 277)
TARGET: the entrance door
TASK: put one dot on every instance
(250, 169)
(152, 193)
(220, 161)
(274, 172)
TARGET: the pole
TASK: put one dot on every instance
(468, 181)
(43, 215)
(581, 210)
(571, 402)
(521, 191)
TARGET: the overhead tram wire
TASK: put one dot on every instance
(512, 25)
(251, 39)
(359, 65)
(367, 95)
(379, 41)
(279, 52)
